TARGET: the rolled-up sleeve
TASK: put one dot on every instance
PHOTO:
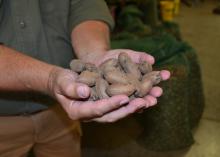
(83, 10)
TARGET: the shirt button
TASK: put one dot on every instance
(22, 24)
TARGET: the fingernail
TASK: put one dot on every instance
(82, 92)
(165, 74)
(150, 59)
(125, 101)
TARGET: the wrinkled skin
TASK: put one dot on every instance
(73, 96)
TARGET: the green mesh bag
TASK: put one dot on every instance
(167, 125)
(196, 92)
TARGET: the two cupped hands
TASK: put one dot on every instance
(73, 96)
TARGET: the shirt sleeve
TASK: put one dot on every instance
(82, 10)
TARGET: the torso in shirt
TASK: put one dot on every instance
(37, 28)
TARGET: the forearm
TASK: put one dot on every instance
(90, 40)
(23, 73)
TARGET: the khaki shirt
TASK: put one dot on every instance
(41, 29)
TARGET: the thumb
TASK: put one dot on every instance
(76, 90)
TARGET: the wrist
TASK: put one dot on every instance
(51, 81)
(90, 40)
(94, 56)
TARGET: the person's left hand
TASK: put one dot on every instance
(151, 98)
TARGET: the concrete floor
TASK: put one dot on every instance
(201, 29)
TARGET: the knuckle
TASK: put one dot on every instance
(73, 117)
(73, 114)
(111, 104)
(98, 112)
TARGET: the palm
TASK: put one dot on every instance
(75, 102)
(78, 108)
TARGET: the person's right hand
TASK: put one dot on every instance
(73, 97)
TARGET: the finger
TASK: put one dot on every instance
(151, 100)
(146, 57)
(140, 56)
(75, 90)
(165, 74)
(94, 109)
(138, 101)
(67, 86)
(156, 91)
(65, 102)
(136, 56)
(121, 112)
